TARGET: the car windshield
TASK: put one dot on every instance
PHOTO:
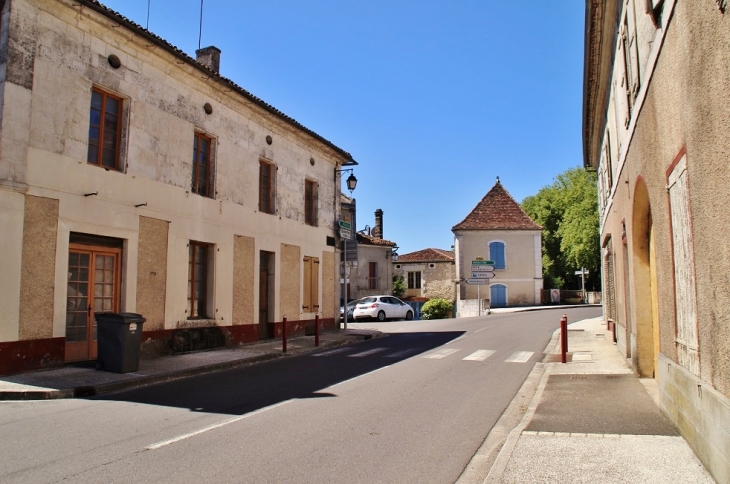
(368, 300)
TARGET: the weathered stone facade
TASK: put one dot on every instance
(53, 54)
(655, 129)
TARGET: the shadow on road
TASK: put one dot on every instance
(247, 389)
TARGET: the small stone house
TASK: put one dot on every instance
(427, 274)
(498, 229)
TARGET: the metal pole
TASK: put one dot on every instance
(344, 283)
(583, 282)
(283, 334)
(316, 329)
(479, 299)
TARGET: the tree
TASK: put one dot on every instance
(568, 212)
(399, 286)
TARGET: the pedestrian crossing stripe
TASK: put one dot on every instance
(367, 353)
(437, 355)
(519, 357)
(333, 352)
(401, 353)
(479, 355)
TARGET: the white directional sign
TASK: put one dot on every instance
(345, 233)
(482, 268)
(482, 275)
(477, 281)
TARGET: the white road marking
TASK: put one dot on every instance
(455, 340)
(519, 357)
(367, 353)
(213, 427)
(479, 355)
(359, 376)
(480, 329)
(400, 353)
(333, 352)
(437, 355)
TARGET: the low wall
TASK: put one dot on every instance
(468, 308)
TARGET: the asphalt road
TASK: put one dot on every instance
(410, 407)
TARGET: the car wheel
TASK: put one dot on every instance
(409, 315)
(381, 316)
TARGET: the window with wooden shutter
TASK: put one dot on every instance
(311, 285)
(684, 268)
(202, 179)
(496, 254)
(372, 275)
(311, 202)
(267, 187)
(105, 130)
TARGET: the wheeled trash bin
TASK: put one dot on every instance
(119, 336)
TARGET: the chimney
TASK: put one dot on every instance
(378, 229)
(210, 57)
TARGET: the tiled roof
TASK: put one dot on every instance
(497, 211)
(159, 41)
(427, 255)
(370, 240)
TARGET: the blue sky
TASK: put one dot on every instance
(434, 99)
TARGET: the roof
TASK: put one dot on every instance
(160, 42)
(427, 255)
(370, 240)
(497, 211)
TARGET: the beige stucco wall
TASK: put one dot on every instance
(290, 282)
(163, 109)
(523, 269)
(681, 107)
(152, 272)
(39, 257)
(359, 286)
(244, 260)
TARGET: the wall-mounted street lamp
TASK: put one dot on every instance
(393, 253)
(351, 180)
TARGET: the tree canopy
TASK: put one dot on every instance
(568, 212)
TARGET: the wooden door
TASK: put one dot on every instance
(93, 287)
(265, 291)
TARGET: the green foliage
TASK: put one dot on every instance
(437, 309)
(568, 212)
(399, 286)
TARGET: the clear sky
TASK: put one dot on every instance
(434, 99)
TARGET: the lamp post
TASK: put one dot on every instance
(351, 184)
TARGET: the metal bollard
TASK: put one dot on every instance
(316, 330)
(283, 334)
(564, 338)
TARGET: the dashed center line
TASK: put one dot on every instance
(437, 355)
(479, 355)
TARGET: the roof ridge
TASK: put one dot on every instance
(497, 210)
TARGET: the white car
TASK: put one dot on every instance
(382, 308)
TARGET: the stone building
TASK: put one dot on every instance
(428, 274)
(655, 125)
(134, 178)
(498, 229)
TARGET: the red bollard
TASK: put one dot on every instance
(316, 330)
(564, 338)
(283, 334)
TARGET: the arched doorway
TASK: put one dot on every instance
(644, 283)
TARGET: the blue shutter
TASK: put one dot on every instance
(496, 253)
(498, 295)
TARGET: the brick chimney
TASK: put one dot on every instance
(210, 57)
(378, 229)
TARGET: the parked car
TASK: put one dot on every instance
(350, 308)
(382, 308)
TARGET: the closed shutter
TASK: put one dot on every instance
(496, 253)
(314, 275)
(307, 283)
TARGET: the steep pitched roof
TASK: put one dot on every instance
(370, 240)
(427, 255)
(497, 211)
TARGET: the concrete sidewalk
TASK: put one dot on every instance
(591, 420)
(84, 380)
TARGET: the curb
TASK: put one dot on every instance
(106, 388)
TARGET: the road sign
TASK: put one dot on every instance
(345, 233)
(577, 273)
(482, 275)
(345, 225)
(482, 262)
(477, 281)
(482, 268)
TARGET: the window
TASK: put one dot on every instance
(496, 253)
(267, 187)
(198, 280)
(202, 166)
(414, 280)
(311, 285)
(311, 202)
(105, 130)
(372, 275)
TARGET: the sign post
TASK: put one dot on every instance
(583, 273)
(481, 272)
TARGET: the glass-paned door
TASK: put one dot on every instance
(93, 287)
